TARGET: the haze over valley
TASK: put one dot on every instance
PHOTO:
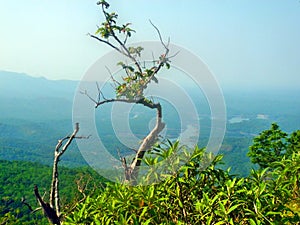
(36, 112)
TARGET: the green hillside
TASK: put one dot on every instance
(18, 178)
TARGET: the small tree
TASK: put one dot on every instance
(132, 86)
(272, 145)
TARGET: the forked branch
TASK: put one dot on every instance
(52, 209)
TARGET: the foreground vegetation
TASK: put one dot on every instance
(197, 196)
(199, 193)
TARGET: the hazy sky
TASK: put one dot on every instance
(244, 42)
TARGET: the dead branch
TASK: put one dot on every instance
(47, 209)
(112, 78)
(82, 187)
(166, 46)
(23, 201)
(37, 209)
(52, 209)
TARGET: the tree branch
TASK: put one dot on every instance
(135, 82)
(54, 193)
(125, 51)
(23, 201)
(106, 42)
(147, 143)
(47, 209)
(160, 37)
(52, 209)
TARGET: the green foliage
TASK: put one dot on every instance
(108, 28)
(22, 140)
(18, 179)
(137, 78)
(199, 193)
(272, 145)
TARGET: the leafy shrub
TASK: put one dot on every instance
(197, 195)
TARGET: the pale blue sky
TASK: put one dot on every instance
(244, 42)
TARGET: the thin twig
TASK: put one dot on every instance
(111, 77)
(106, 42)
(160, 37)
(23, 201)
(86, 93)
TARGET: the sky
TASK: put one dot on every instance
(248, 43)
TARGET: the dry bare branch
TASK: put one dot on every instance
(52, 209)
(47, 209)
(23, 201)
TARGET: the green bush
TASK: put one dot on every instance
(197, 195)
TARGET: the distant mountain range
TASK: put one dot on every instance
(36, 112)
(30, 98)
(20, 85)
(26, 97)
(38, 99)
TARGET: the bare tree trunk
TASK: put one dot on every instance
(147, 143)
(52, 209)
(47, 209)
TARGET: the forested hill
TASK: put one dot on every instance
(36, 112)
(18, 178)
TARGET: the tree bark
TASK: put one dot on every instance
(52, 209)
(147, 143)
